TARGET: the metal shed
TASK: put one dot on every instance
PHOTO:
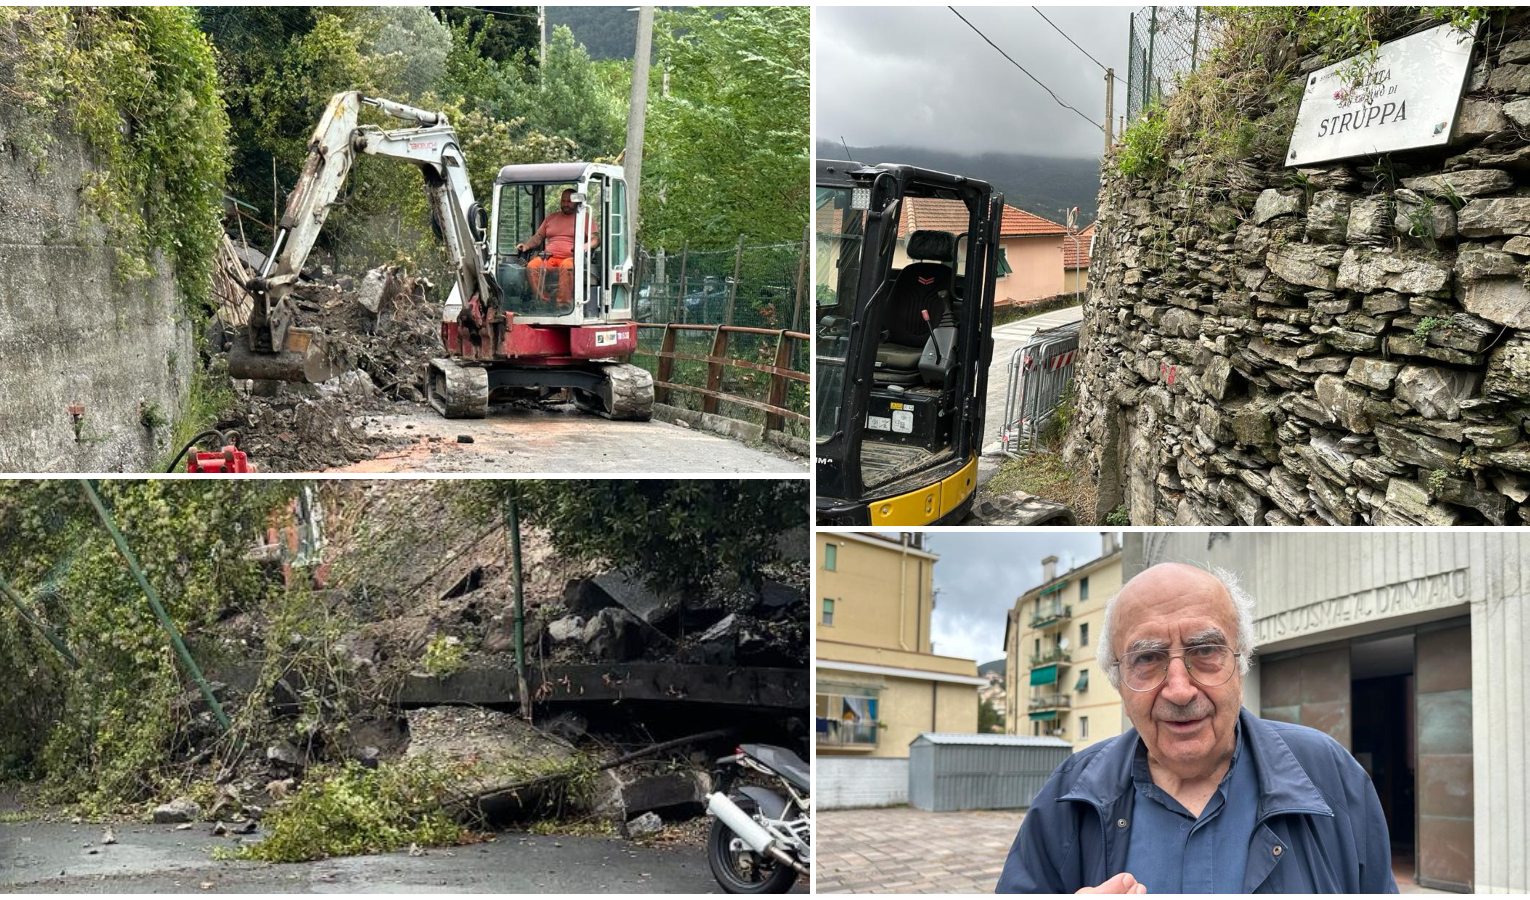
(948, 772)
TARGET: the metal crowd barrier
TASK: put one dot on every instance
(1039, 373)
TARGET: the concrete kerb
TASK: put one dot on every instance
(746, 432)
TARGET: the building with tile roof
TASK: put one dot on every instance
(1076, 260)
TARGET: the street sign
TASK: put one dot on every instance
(1405, 97)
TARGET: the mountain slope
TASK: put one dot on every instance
(1042, 185)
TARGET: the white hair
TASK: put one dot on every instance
(1243, 607)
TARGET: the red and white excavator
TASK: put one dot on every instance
(505, 329)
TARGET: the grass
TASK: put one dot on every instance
(1045, 474)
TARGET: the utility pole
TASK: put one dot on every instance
(1110, 103)
(541, 37)
(513, 527)
(637, 112)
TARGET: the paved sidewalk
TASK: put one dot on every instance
(907, 851)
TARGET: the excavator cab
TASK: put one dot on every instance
(906, 262)
(594, 284)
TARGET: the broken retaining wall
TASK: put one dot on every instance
(1335, 345)
(73, 333)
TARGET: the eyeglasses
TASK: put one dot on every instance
(1211, 665)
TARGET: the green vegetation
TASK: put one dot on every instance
(1436, 480)
(139, 86)
(352, 810)
(656, 524)
(101, 738)
(1119, 516)
(444, 655)
(1427, 326)
(989, 719)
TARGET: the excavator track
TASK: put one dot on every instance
(457, 392)
(626, 393)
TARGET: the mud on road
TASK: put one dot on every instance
(62, 858)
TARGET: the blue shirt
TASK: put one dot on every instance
(1173, 852)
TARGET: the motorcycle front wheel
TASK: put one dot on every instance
(744, 871)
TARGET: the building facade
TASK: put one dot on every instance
(879, 685)
(1055, 689)
(1409, 649)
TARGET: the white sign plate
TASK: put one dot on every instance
(1407, 99)
(878, 423)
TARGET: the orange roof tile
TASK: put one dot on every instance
(1076, 256)
(931, 214)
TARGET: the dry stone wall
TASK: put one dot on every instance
(1341, 345)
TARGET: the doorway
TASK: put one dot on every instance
(1382, 700)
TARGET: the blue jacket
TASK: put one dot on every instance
(1318, 830)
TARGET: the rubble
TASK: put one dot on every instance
(178, 810)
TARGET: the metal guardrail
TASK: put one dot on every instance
(1039, 373)
(1051, 701)
(1056, 615)
(779, 369)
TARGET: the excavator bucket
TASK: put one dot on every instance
(305, 357)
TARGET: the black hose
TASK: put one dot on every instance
(222, 442)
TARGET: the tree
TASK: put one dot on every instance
(989, 719)
(683, 534)
(727, 147)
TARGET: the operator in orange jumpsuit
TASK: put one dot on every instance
(556, 233)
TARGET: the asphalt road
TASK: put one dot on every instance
(559, 440)
(57, 858)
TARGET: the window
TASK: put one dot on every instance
(1083, 728)
(829, 553)
(828, 612)
(1035, 729)
(1083, 589)
(1083, 636)
(1038, 647)
(1083, 680)
(847, 719)
(1004, 268)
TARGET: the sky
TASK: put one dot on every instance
(980, 574)
(916, 76)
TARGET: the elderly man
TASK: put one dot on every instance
(556, 233)
(1199, 796)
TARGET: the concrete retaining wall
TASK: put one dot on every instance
(71, 332)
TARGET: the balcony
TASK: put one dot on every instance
(850, 735)
(1050, 701)
(1050, 618)
(1055, 655)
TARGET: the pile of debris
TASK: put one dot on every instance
(380, 335)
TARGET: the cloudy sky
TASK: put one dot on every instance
(981, 573)
(916, 76)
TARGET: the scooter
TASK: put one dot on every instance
(761, 838)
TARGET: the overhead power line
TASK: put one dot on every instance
(1075, 43)
(1012, 62)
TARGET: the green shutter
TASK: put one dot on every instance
(1044, 716)
(1054, 588)
(1083, 680)
(1004, 268)
(1044, 675)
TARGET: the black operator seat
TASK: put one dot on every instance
(924, 286)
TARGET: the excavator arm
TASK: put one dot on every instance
(274, 348)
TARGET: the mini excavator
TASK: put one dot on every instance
(513, 326)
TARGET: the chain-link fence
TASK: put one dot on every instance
(754, 285)
(1167, 43)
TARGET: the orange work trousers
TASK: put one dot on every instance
(562, 268)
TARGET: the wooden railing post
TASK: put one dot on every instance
(776, 421)
(666, 362)
(715, 370)
(685, 255)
